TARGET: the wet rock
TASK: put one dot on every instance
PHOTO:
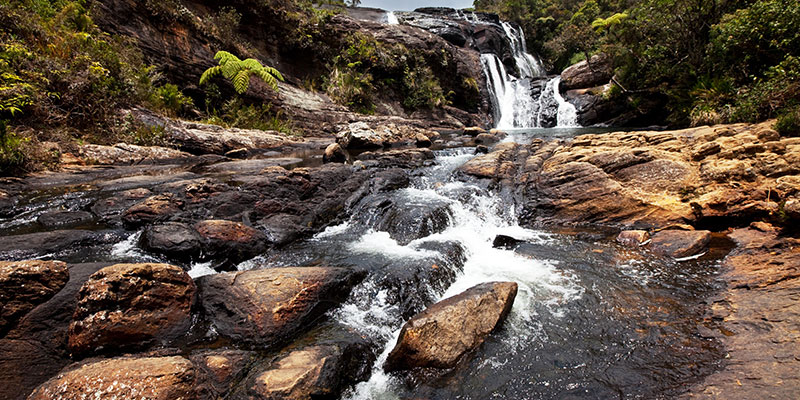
(175, 240)
(679, 243)
(265, 307)
(334, 154)
(153, 209)
(238, 153)
(130, 305)
(442, 334)
(498, 164)
(26, 284)
(505, 242)
(156, 378)
(481, 149)
(405, 158)
(597, 71)
(8, 205)
(633, 238)
(282, 229)
(408, 219)
(58, 219)
(143, 181)
(14, 247)
(423, 141)
(486, 139)
(321, 371)
(233, 241)
(220, 370)
(474, 131)
(359, 135)
(110, 209)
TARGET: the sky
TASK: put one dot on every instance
(409, 5)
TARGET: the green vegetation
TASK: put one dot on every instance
(708, 61)
(239, 71)
(235, 113)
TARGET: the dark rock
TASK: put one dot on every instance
(474, 131)
(220, 370)
(423, 141)
(233, 241)
(153, 209)
(238, 153)
(110, 209)
(481, 149)
(265, 307)
(175, 240)
(334, 154)
(505, 242)
(130, 305)
(584, 74)
(40, 243)
(156, 378)
(680, 244)
(406, 218)
(406, 158)
(282, 229)
(58, 219)
(26, 284)
(633, 238)
(442, 334)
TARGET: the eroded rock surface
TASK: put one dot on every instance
(155, 378)
(26, 284)
(439, 336)
(679, 243)
(264, 307)
(128, 305)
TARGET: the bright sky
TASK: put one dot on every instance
(410, 5)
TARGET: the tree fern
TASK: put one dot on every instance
(239, 71)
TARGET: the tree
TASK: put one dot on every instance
(239, 71)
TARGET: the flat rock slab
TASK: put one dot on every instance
(130, 305)
(439, 336)
(680, 244)
(263, 307)
(153, 378)
(26, 284)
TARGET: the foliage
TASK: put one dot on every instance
(11, 154)
(238, 72)
(169, 99)
(788, 123)
(236, 114)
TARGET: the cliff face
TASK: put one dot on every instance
(180, 37)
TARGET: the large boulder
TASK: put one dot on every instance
(63, 218)
(175, 240)
(264, 307)
(152, 209)
(680, 243)
(26, 284)
(220, 370)
(129, 305)
(442, 334)
(153, 378)
(233, 241)
(359, 135)
(597, 71)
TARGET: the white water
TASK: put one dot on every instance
(475, 224)
(567, 114)
(529, 66)
(391, 18)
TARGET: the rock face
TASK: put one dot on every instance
(232, 240)
(264, 307)
(442, 334)
(156, 378)
(26, 284)
(128, 305)
(597, 71)
(679, 244)
(321, 371)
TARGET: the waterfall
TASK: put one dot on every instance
(391, 18)
(514, 105)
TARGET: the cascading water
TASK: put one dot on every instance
(391, 18)
(529, 66)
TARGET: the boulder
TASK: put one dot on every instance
(359, 135)
(125, 154)
(31, 245)
(26, 284)
(423, 141)
(153, 378)
(131, 305)
(59, 219)
(282, 229)
(220, 370)
(680, 243)
(334, 154)
(584, 74)
(153, 209)
(233, 241)
(633, 238)
(499, 164)
(442, 334)
(175, 240)
(505, 242)
(320, 371)
(264, 307)
(110, 209)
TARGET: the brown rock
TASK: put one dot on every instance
(499, 164)
(152, 209)
(597, 71)
(233, 240)
(422, 140)
(155, 378)
(633, 238)
(267, 306)
(680, 243)
(220, 370)
(26, 284)
(334, 153)
(439, 336)
(128, 305)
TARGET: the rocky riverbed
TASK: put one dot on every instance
(266, 273)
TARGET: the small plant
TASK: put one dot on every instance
(239, 71)
(171, 100)
(11, 154)
(788, 123)
(238, 115)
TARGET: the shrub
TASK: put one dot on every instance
(236, 114)
(11, 152)
(788, 123)
(171, 100)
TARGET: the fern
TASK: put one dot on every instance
(238, 72)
